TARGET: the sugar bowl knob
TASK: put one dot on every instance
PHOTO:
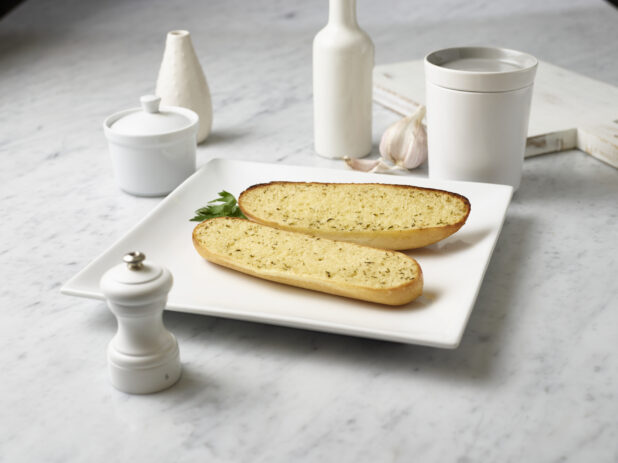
(143, 356)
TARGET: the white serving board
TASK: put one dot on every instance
(453, 269)
(568, 110)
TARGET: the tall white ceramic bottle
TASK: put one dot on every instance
(342, 84)
(182, 82)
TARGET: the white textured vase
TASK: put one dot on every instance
(342, 84)
(182, 81)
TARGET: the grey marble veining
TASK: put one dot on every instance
(536, 375)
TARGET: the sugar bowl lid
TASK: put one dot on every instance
(151, 119)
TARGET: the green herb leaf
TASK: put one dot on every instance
(227, 207)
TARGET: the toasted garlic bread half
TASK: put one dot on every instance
(297, 259)
(379, 215)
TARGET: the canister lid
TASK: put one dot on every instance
(480, 69)
(150, 119)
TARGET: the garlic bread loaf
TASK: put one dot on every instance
(379, 215)
(335, 267)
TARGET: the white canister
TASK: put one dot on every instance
(153, 148)
(478, 105)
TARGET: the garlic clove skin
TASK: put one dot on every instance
(376, 166)
(405, 142)
(364, 165)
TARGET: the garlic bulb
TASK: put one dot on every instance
(403, 147)
(405, 142)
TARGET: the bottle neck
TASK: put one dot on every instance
(342, 12)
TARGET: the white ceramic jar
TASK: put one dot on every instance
(153, 148)
(342, 85)
(478, 105)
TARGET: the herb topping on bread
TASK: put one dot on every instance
(381, 215)
(306, 261)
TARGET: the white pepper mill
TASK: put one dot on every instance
(143, 356)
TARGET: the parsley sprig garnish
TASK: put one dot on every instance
(226, 208)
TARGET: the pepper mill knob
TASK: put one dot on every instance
(143, 356)
(134, 260)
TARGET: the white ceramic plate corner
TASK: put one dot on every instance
(453, 269)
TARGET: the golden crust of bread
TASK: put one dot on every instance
(397, 238)
(213, 248)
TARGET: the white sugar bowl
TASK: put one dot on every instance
(152, 148)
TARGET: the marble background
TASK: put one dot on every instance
(535, 378)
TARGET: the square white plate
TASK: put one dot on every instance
(453, 269)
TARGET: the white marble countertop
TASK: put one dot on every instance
(536, 375)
